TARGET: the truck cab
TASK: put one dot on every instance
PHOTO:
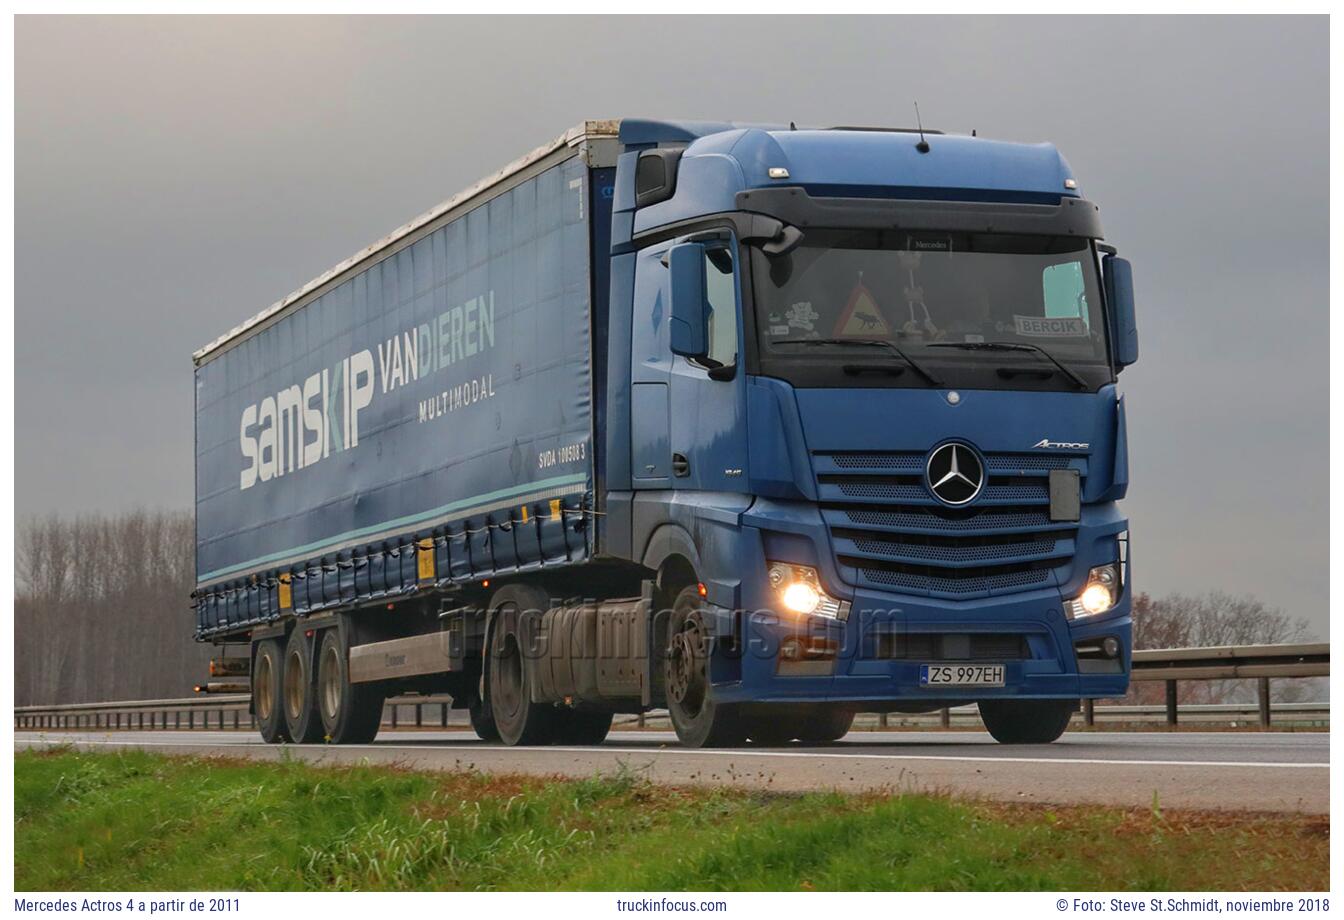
(863, 421)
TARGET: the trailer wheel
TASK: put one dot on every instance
(697, 718)
(508, 683)
(298, 691)
(1026, 721)
(579, 727)
(351, 713)
(823, 724)
(266, 702)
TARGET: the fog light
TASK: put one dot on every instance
(798, 590)
(799, 648)
(1110, 647)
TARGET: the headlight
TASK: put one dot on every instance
(1099, 594)
(798, 590)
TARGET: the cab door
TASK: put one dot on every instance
(708, 396)
(650, 373)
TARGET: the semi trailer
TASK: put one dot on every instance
(762, 425)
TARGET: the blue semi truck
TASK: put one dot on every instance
(762, 425)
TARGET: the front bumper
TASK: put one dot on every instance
(878, 652)
(888, 635)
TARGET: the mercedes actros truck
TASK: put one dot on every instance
(762, 425)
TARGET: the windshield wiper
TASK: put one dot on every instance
(870, 343)
(1015, 346)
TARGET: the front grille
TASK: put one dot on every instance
(999, 489)
(890, 532)
(970, 583)
(953, 551)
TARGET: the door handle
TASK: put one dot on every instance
(681, 467)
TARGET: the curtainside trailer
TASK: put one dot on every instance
(761, 425)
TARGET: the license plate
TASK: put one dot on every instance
(961, 675)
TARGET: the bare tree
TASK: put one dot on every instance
(102, 608)
(1215, 618)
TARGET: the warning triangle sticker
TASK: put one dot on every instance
(861, 317)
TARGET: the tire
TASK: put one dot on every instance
(699, 721)
(267, 705)
(579, 727)
(1026, 721)
(508, 676)
(349, 713)
(768, 734)
(299, 690)
(824, 724)
(482, 722)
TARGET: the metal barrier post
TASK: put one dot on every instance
(395, 707)
(881, 720)
(443, 714)
(1262, 695)
(418, 714)
(1089, 713)
(945, 717)
(1171, 702)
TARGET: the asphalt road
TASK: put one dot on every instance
(1274, 771)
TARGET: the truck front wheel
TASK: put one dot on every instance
(267, 705)
(305, 726)
(823, 724)
(1026, 721)
(697, 718)
(351, 713)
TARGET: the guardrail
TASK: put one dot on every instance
(1261, 663)
(214, 711)
(1227, 662)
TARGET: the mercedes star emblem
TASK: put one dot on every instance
(954, 473)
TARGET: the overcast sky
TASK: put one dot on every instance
(176, 175)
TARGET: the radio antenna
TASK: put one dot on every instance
(923, 145)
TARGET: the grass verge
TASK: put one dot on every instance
(136, 821)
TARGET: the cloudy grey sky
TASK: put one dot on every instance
(176, 175)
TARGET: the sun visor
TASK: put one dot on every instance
(793, 205)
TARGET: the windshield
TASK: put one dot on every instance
(979, 309)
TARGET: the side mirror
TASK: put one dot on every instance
(690, 307)
(1119, 279)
